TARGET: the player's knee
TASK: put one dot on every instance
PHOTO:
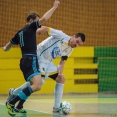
(63, 80)
(60, 80)
(36, 87)
(36, 82)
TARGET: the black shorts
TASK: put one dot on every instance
(29, 67)
(54, 76)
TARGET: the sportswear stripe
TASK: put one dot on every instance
(12, 42)
(34, 74)
(22, 95)
(29, 54)
(31, 91)
(34, 64)
(49, 31)
(37, 24)
(50, 46)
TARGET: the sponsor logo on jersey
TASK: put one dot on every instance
(55, 52)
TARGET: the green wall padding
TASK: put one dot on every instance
(107, 68)
(105, 51)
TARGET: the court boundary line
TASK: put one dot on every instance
(31, 110)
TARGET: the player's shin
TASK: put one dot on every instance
(17, 90)
(58, 94)
(24, 94)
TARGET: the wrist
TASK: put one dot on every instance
(55, 7)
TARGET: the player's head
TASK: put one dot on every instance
(77, 40)
(32, 16)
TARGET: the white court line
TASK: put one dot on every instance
(32, 110)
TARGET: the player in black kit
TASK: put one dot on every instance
(26, 38)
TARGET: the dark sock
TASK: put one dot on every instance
(24, 95)
(14, 100)
(20, 105)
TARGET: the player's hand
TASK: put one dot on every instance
(60, 75)
(4, 48)
(56, 3)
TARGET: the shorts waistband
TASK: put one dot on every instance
(29, 55)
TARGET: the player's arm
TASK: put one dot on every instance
(61, 65)
(7, 46)
(42, 30)
(49, 13)
(50, 31)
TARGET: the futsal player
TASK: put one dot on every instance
(26, 38)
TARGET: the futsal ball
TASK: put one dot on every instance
(65, 107)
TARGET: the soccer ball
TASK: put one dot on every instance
(65, 107)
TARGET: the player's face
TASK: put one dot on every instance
(75, 42)
(37, 18)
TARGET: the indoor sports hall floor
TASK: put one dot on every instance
(86, 105)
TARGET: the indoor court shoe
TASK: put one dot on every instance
(22, 111)
(56, 111)
(10, 95)
(10, 108)
(11, 113)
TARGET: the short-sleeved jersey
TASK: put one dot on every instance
(26, 38)
(54, 46)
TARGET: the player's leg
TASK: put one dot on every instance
(13, 92)
(25, 93)
(10, 94)
(35, 86)
(58, 92)
(21, 97)
(42, 66)
(33, 75)
(35, 82)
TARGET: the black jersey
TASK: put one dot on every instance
(26, 38)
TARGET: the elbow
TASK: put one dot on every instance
(42, 20)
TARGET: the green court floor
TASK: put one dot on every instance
(82, 106)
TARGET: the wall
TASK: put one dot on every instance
(96, 18)
(79, 71)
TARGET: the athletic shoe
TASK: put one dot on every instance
(10, 95)
(10, 108)
(56, 111)
(22, 111)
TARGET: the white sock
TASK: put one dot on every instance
(17, 90)
(58, 94)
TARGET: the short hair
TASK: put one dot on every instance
(32, 15)
(80, 35)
